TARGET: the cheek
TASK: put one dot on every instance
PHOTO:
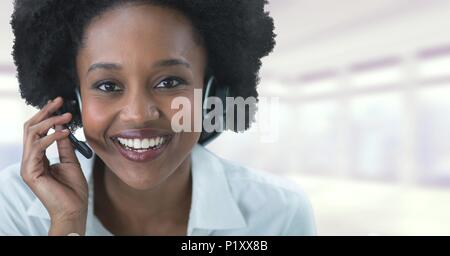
(95, 118)
(186, 138)
(190, 110)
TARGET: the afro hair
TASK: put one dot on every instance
(48, 34)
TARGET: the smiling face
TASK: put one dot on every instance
(134, 61)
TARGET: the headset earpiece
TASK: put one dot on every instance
(77, 93)
(206, 95)
(221, 92)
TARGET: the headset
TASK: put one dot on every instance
(221, 92)
(211, 90)
(81, 146)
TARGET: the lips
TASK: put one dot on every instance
(141, 145)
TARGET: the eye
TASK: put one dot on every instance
(108, 86)
(170, 83)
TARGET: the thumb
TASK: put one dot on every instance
(65, 149)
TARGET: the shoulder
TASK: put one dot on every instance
(270, 200)
(15, 199)
(12, 186)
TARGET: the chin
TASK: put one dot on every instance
(143, 179)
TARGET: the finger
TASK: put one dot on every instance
(45, 112)
(39, 146)
(65, 149)
(37, 155)
(41, 129)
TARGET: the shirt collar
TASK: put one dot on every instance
(212, 207)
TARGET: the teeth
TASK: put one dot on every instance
(137, 144)
(145, 143)
(142, 144)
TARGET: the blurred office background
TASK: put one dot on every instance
(364, 112)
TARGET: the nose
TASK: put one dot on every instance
(139, 109)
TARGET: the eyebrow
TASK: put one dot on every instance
(171, 62)
(158, 64)
(107, 66)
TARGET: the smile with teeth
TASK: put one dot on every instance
(142, 145)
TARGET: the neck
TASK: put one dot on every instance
(168, 202)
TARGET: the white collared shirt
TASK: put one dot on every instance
(227, 199)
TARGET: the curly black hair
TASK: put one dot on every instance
(48, 34)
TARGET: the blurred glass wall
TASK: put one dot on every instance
(363, 115)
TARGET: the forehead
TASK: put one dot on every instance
(140, 31)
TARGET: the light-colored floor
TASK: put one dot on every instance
(355, 207)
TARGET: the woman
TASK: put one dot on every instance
(129, 60)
